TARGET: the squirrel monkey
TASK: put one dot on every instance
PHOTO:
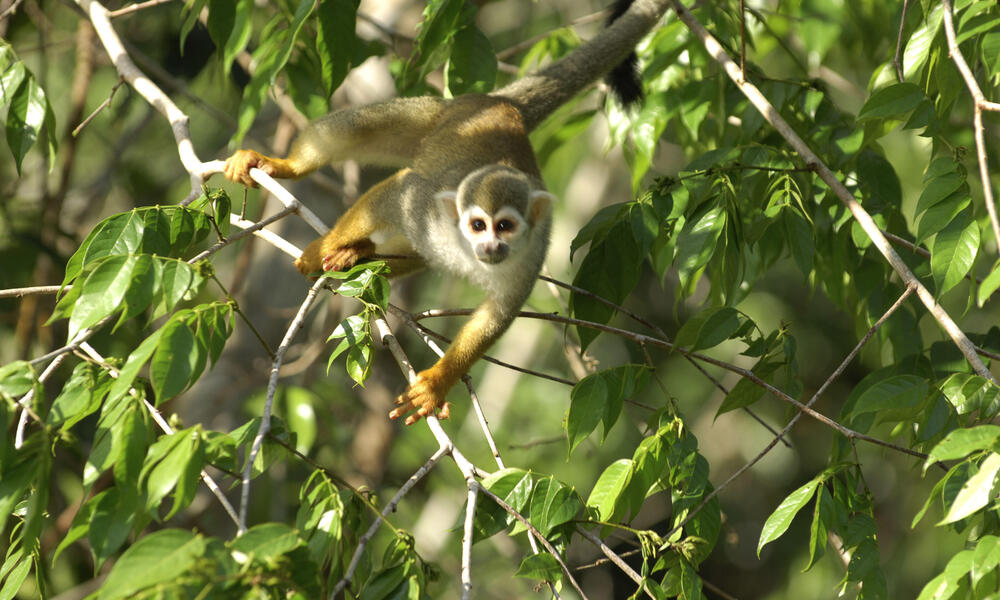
(469, 198)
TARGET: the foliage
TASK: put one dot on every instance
(742, 260)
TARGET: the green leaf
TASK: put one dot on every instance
(158, 558)
(102, 292)
(14, 571)
(892, 101)
(113, 518)
(781, 518)
(953, 252)
(698, 240)
(552, 504)
(174, 361)
(221, 19)
(962, 442)
(442, 20)
(989, 285)
(938, 189)
(976, 492)
(472, 67)
(17, 378)
(599, 397)
(894, 393)
(587, 405)
(937, 217)
(746, 392)
(266, 541)
(513, 486)
(335, 40)
(25, 116)
(239, 35)
(605, 495)
(709, 328)
(610, 270)
(168, 472)
(985, 557)
(300, 404)
(541, 566)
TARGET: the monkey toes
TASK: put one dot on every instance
(321, 255)
(423, 396)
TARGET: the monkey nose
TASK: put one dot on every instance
(492, 253)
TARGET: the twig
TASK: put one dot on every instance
(106, 103)
(25, 402)
(548, 546)
(99, 16)
(864, 219)
(30, 291)
(470, 519)
(662, 334)
(133, 8)
(614, 558)
(424, 331)
(164, 426)
(836, 373)
(979, 105)
(243, 232)
(390, 507)
(896, 60)
(272, 386)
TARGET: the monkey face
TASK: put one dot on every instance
(495, 210)
(492, 236)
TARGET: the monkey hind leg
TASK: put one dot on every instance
(351, 239)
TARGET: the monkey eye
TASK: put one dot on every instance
(505, 225)
(478, 225)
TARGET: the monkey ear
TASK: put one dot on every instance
(539, 205)
(449, 199)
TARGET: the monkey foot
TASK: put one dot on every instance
(423, 395)
(319, 257)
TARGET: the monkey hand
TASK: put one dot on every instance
(426, 395)
(239, 164)
(324, 255)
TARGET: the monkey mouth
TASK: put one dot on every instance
(492, 259)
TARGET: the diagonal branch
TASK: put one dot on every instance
(101, 19)
(771, 114)
(979, 105)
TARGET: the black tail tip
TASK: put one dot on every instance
(625, 82)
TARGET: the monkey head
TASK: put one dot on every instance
(496, 208)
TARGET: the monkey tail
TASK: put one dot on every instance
(624, 80)
(609, 53)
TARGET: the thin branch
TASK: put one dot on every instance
(30, 291)
(25, 402)
(272, 386)
(164, 426)
(134, 8)
(390, 507)
(614, 558)
(661, 333)
(548, 546)
(424, 331)
(528, 43)
(864, 219)
(897, 58)
(979, 104)
(836, 373)
(470, 519)
(252, 228)
(99, 16)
